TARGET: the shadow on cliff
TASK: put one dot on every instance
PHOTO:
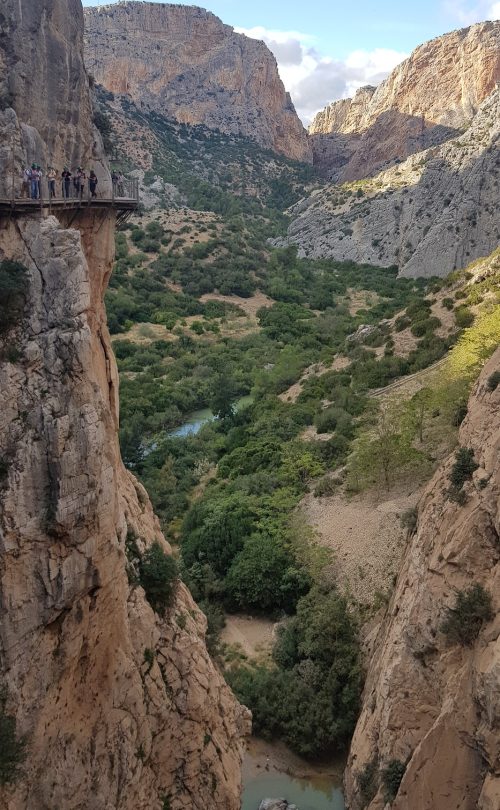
(394, 136)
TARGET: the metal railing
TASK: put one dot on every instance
(123, 190)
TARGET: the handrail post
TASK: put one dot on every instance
(13, 171)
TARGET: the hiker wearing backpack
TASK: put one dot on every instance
(93, 184)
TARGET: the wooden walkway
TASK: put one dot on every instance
(122, 197)
(26, 206)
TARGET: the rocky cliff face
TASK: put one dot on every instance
(119, 706)
(409, 111)
(183, 62)
(45, 108)
(431, 214)
(430, 704)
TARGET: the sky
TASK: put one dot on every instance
(326, 49)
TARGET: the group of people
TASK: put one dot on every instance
(72, 183)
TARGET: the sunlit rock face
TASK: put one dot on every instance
(183, 62)
(433, 213)
(430, 97)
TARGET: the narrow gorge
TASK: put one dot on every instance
(249, 418)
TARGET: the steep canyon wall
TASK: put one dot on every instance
(183, 62)
(431, 704)
(119, 706)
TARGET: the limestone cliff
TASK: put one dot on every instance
(45, 108)
(183, 62)
(427, 99)
(120, 707)
(430, 704)
(432, 214)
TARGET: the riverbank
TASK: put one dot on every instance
(277, 758)
(271, 770)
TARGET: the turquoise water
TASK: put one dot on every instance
(193, 424)
(319, 794)
(195, 421)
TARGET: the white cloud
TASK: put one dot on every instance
(314, 80)
(468, 12)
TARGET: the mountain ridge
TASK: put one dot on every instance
(355, 138)
(186, 64)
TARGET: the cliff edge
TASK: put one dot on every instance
(428, 733)
(107, 702)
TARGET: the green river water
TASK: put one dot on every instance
(305, 793)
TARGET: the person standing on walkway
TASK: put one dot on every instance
(39, 175)
(93, 184)
(114, 180)
(83, 177)
(26, 186)
(76, 182)
(66, 183)
(51, 180)
(34, 182)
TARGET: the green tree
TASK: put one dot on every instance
(383, 450)
(158, 575)
(223, 396)
(214, 531)
(311, 700)
(265, 577)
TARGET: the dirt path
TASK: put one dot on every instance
(412, 382)
(316, 370)
(250, 306)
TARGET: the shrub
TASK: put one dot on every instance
(157, 574)
(447, 303)
(13, 293)
(401, 323)
(392, 777)
(103, 123)
(459, 413)
(463, 468)
(463, 621)
(12, 748)
(311, 699)
(325, 487)
(409, 520)
(368, 781)
(4, 469)
(463, 317)
(494, 380)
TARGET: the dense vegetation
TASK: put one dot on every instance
(228, 494)
(310, 698)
